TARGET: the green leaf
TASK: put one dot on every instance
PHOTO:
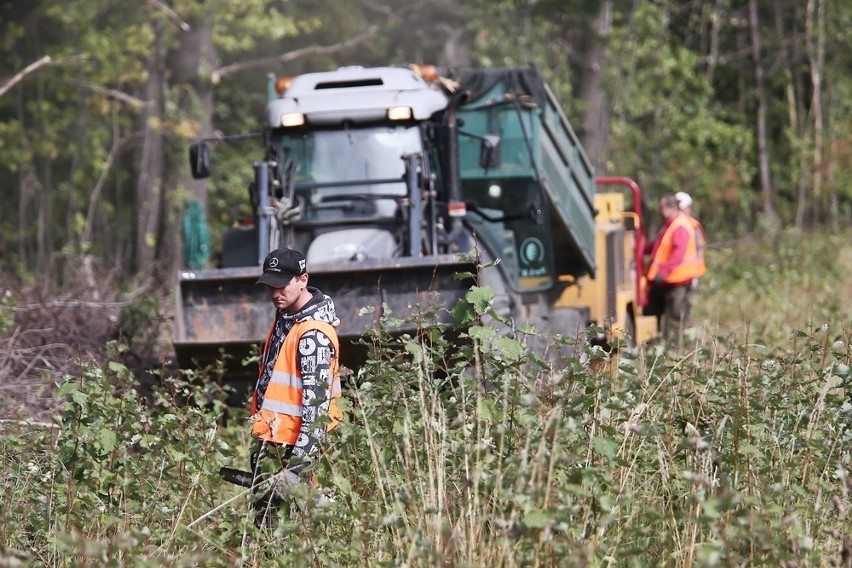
(342, 484)
(107, 440)
(509, 348)
(463, 313)
(480, 297)
(488, 410)
(415, 350)
(481, 333)
(751, 450)
(538, 519)
(79, 397)
(605, 447)
(708, 508)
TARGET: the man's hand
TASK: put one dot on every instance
(286, 477)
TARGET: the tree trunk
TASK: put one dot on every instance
(26, 191)
(713, 49)
(77, 158)
(815, 41)
(190, 66)
(149, 183)
(595, 132)
(742, 102)
(835, 139)
(44, 249)
(796, 112)
(763, 152)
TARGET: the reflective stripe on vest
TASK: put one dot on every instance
(279, 418)
(691, 266)
(280, 393)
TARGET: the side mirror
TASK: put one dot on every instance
(489, 152)
(199, 160)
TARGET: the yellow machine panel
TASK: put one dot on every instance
(610, 296)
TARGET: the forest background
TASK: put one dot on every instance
(745, 105)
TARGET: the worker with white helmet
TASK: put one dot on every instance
(674, 265)
(684, 201)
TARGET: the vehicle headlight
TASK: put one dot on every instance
(290, 119)
(400, 113)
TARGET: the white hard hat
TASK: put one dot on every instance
(683, 199)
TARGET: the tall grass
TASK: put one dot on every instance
(735, 451)
(770, 289)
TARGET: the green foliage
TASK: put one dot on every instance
(7, 316)
(481, 453)
(668, 128)
(113, 478)
(240, 27)
(543, 32)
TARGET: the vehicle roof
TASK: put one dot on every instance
(357, 94)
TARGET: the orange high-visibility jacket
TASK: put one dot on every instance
(691, 266)
(279, 418)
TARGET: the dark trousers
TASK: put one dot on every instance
(267, 502)
(671, 304)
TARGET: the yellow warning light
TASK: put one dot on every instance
(282, 84)
(425, 72)
(429, 72)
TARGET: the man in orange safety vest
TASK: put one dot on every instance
(294, 401)
(676, 261)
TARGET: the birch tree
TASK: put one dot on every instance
(763, 152)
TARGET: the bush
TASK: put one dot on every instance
(474, 454)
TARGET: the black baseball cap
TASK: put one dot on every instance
(281, 265)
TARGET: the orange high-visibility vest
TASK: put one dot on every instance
(699, 236)
(692, 265)
(279, 418)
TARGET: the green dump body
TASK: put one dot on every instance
(539, 149)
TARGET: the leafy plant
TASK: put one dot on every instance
(474, 452)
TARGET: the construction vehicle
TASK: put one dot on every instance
(395, 180)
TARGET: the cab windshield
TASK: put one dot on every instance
(350, 155)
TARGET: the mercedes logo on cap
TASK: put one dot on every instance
(273, 263)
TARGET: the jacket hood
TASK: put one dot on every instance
(320, 308)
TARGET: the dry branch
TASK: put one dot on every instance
(222, 72)
(32, 423)
(26, 71)
(135, 102)
(81, 303)
(390, 15)
(174, 16)
(45, 341)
